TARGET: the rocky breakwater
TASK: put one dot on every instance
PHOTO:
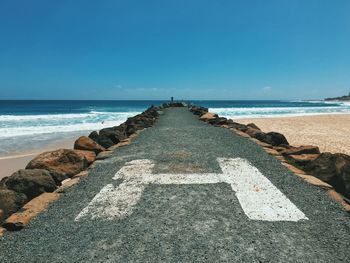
(326, 170)
(30, 190)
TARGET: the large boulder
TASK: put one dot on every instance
(275, 139)
(199, 111)
(302, 159)
(10, 202)
(333, 169)
(32, 182)
(272, 138)
(253, 126)
(89, 155)
(113, 134)
(305, 149)
(94, 136)
(60, 163)
(87, 144)
(218, 121)
(208, 116)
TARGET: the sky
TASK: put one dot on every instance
(189, 49)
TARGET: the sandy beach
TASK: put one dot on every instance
(11, 163)
(330, 132)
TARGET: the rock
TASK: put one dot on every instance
(60, 163)
(88, 144)
(240, 133)
(293, 168)
(272, 138)
(238, 126)
(104, 141)
(338, 198)
(199, 111)
(255, 133)
(207, 116)
(10, 202)
(252, 125)
(30, 210)
(306, 149)
(31, 182)
(90, 156)
(67, 185)
(113, 134)
(218, 121)
(275, 139)
(93, 135)
(333, 169)
(315, 181)
(302, 159)
(263, 144)
(272, 151)
(104, 155)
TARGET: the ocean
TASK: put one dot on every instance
(27, 125)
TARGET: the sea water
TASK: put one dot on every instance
(26, 125)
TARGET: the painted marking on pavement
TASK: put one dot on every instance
(259, 198)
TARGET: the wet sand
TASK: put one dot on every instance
(330, 132)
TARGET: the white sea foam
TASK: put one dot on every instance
(261, 112)
(22, 125)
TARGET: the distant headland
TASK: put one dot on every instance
(342, 98)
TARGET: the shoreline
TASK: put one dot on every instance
(327, 131)
(13, 162)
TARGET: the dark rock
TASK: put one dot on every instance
(252, 125)
(218, 121)
(113, 134)
(272, 138)
(333, 169)
(10, 202)
(93, 135)
(302, 159)
(87, 144)
(62, 162)
(276, 139)
(31, 182)
(199, 111)
(104, 141)
(305, 149)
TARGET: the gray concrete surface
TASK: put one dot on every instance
(185, 223)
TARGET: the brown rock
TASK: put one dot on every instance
(281, 148)
(30, 210)
(333, 169)
(302, 159)
(104, 155)
(67, 184)
(62, 162)
(90, 156)
(315, 181)
(272, 151)
(338, 198)
(240, 133)
(263, 144)
(252, 125)
(81, 174)
(306, 149)
(2, 231)
(87, 144)
(10, 202)
(208, 116)
(293, 168)
(31, 182)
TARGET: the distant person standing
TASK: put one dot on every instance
(172, 99)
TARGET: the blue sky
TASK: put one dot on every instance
(155, 49)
